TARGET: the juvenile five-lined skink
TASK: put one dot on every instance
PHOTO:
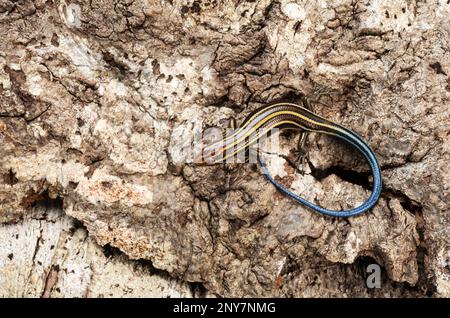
(293, 116)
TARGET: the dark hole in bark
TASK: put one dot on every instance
(76, 224)
(111, 251)
(10, 178)
(42, 199)
(198, 289)
(437, 67)
(359, 178)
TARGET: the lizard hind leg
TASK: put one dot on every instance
(320, 91)
(302, 153)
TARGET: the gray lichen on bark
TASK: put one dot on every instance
(96, 95)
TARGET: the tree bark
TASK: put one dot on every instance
(100, 102)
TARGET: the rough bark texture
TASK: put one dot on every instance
(95, 97)
(51, 255)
